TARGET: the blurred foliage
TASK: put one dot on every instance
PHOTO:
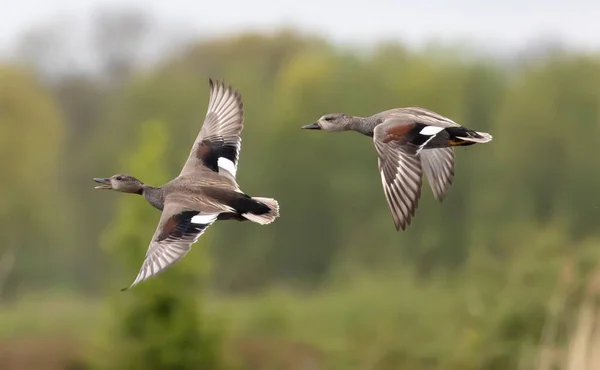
(494, 278)
(31, 141)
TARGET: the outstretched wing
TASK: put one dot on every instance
(177, 230)
(218, 144)
(438, 165)
(400, 169)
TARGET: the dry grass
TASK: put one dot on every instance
(41, 353)
(582, 348)
(273, 354)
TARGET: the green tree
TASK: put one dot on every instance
(31, 138)
(156, 325)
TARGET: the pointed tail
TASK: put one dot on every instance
(264, 218)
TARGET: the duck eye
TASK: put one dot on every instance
(119, 178)
(328, 119)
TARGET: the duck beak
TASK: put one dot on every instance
(312, 126)
(105, 183)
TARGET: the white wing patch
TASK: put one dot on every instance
(431, 130)
(202, 219)
(227, 165)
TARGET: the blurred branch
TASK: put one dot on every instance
(7, 262)
(580, 347)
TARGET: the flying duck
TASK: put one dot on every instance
(408, 142)
(205, 191)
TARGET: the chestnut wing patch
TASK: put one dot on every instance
(413, 135)
(398, 132)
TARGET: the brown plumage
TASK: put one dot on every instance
(409, 142)
(205, 191)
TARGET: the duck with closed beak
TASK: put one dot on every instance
(408, 142)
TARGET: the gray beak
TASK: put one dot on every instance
(105, 183)
(312, 126)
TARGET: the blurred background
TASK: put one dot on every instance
(505, 274)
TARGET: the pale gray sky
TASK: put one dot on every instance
(490, 23)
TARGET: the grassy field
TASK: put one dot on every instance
(369, 324)
(366, 323)
(352, 327)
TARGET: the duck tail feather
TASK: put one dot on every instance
(267, 217)
(477, 137)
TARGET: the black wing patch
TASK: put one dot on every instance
(209, 153)
(180, 226)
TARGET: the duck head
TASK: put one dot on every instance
(332, 122)
(120, 182)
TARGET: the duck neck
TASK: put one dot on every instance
(364, 125)
(153, 195)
